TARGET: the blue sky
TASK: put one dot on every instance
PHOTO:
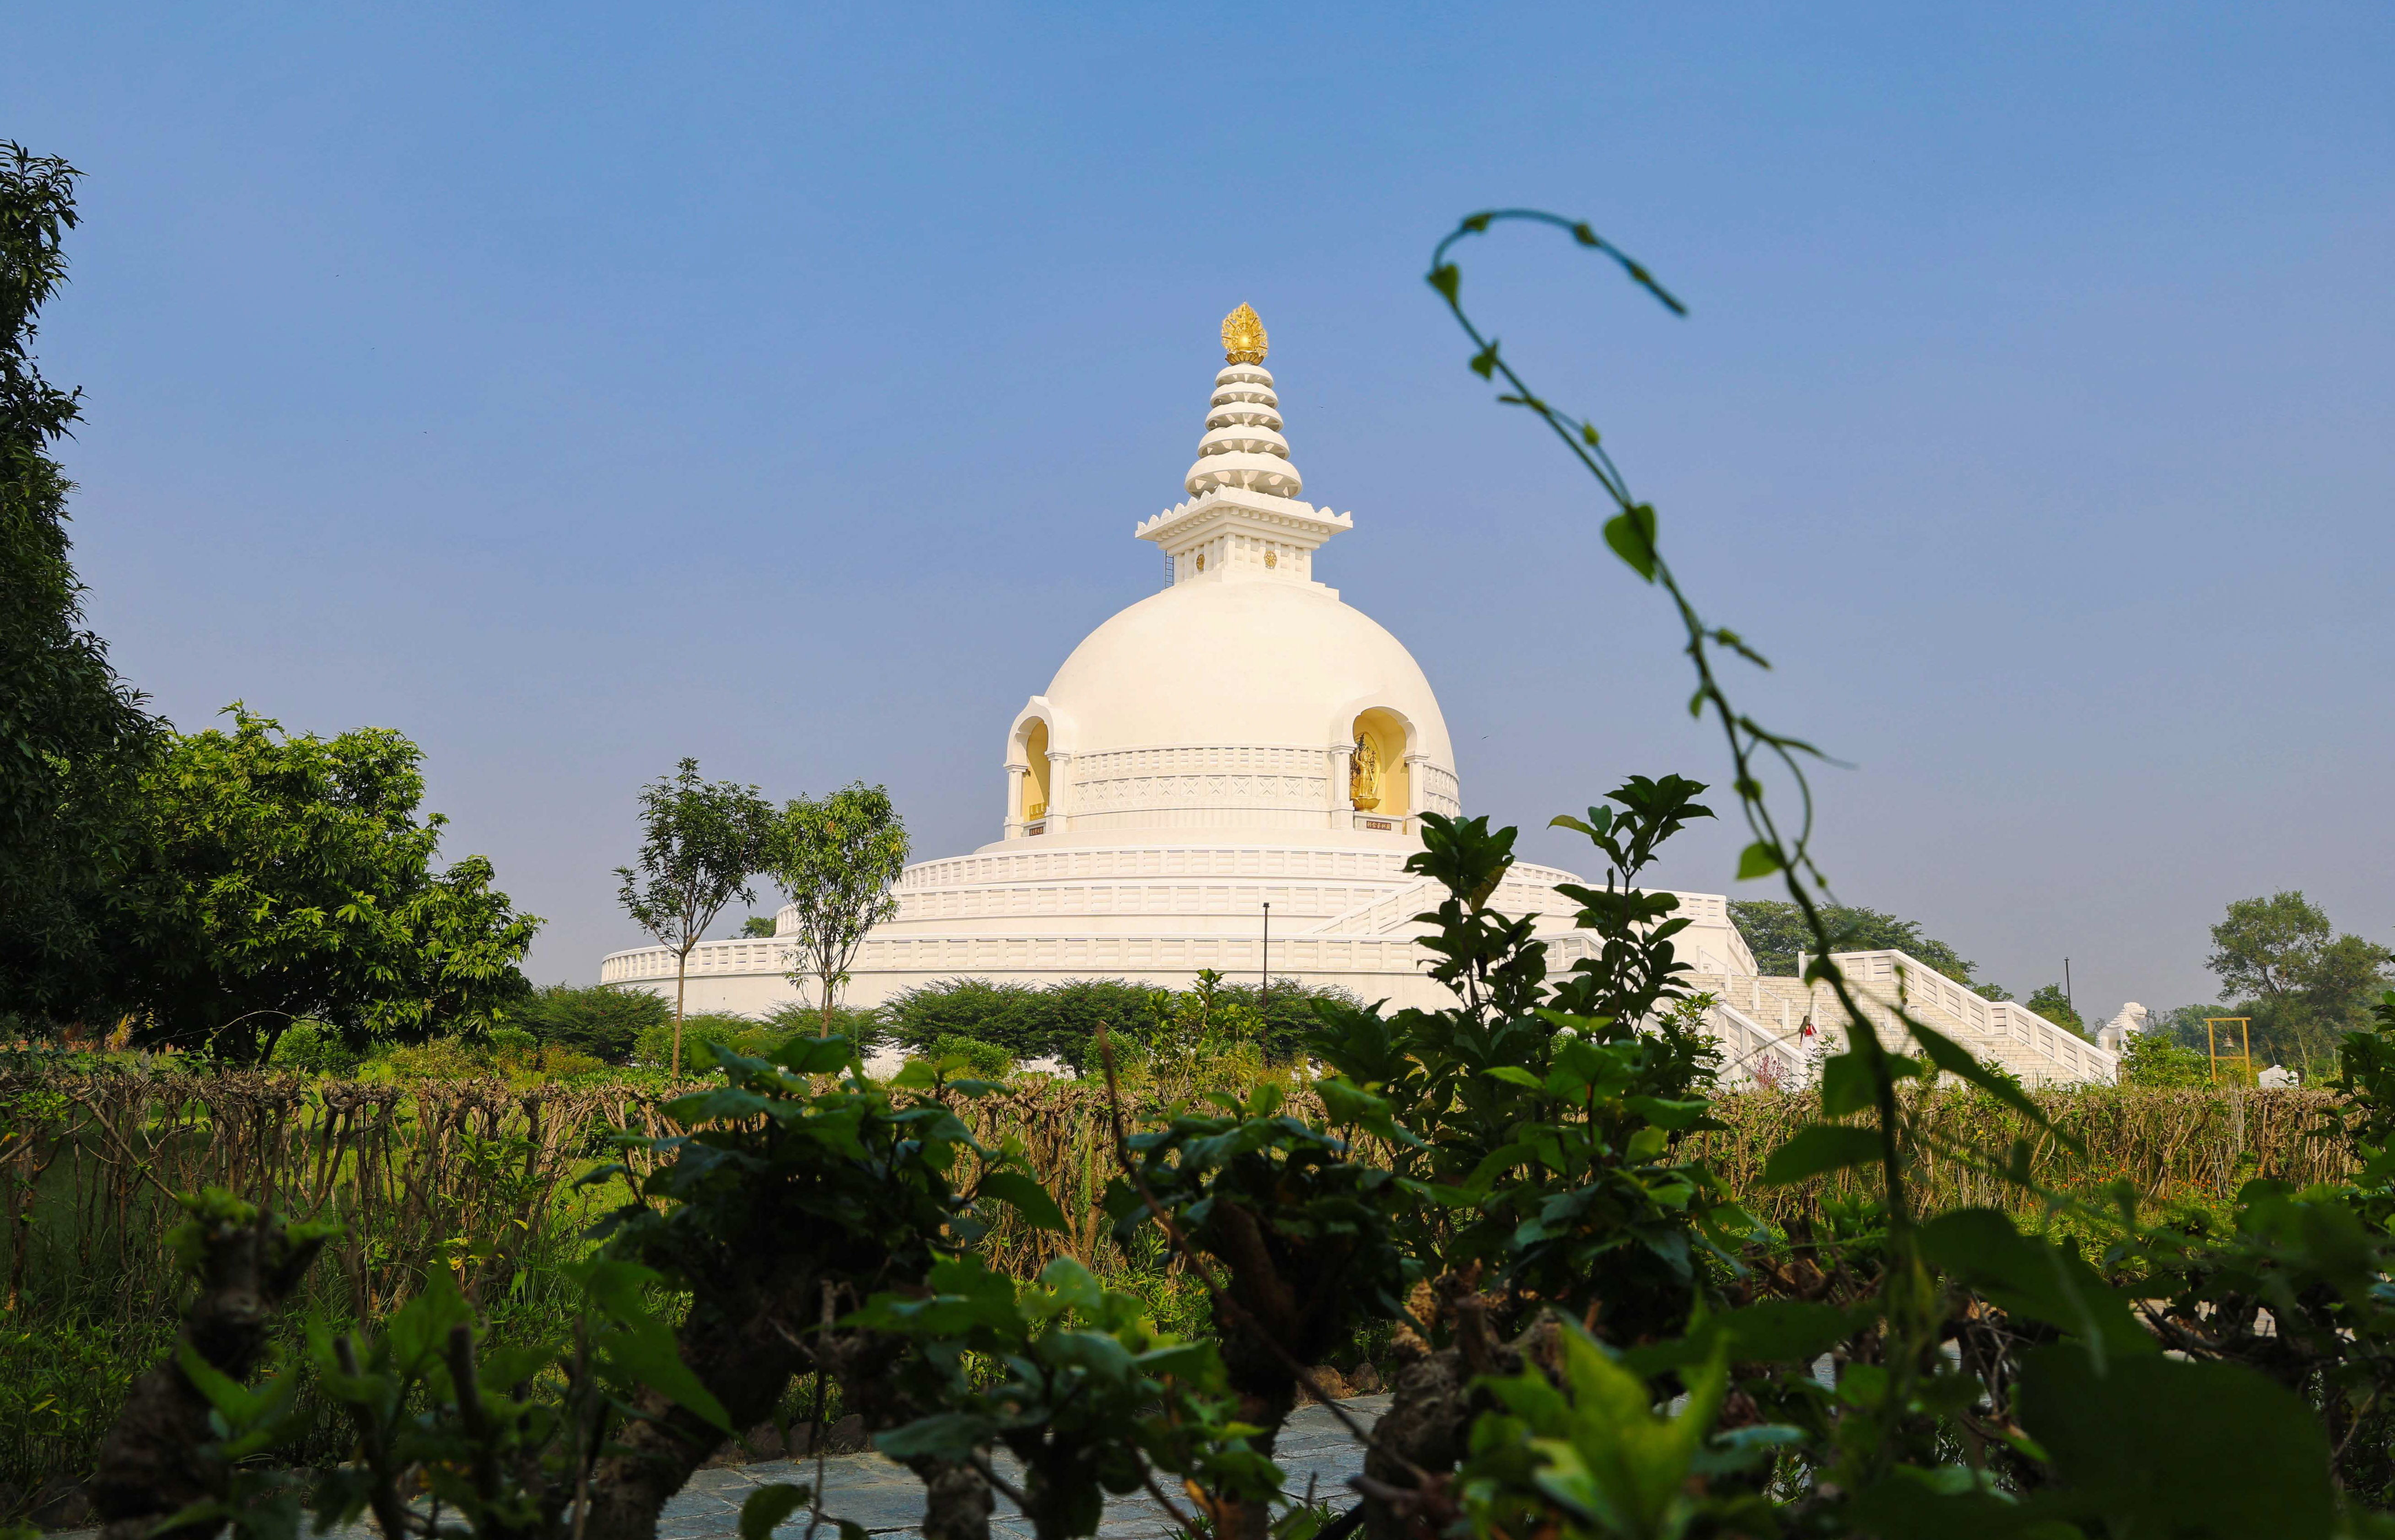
(578, 388)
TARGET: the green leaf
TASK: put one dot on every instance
(1777, 1331)
(648, 1356)
(2033, 1277)
(1821, 1147)
(943, 1436)
(617, 1288)
(803, 1054)
(1512, 1075)
(768, 1506)
(1757, 859)
(207, 1510)
(1632, 535)
(233, 1401)
(1846, 1085)
(1444, 277)
(1665, 1114)
(1074, 1286)
(2159, 1446)
(1484, 362)
(1026, 1197)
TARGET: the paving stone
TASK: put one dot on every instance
(885, 1497)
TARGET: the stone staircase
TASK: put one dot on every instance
(2000, 1031)
(1759, 1020)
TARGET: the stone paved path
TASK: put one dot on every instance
(886, 1498)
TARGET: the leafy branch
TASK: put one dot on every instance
(1867, 1074)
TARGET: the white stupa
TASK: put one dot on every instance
(1243, 738)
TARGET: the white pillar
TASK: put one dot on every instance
(1060, 791)
(1016, 773)
(1416, 786)
(1341, 813)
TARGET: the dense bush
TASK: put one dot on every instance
(751, 1035)
(1060, 1021)
(593, 1019)
(987, 1059)
(700, 1030)
(2159, 1060)
(510, 1055)
(862, 1026)
(316, 1048)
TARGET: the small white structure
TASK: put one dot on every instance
(1245, 739)
(2130, 1020)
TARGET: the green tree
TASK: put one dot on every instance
(2051, 1003)
(1776, 931)
(2303, 983)
(758, 926)
(75, 740)
(700, 844)
(838, 857)
(288, 876)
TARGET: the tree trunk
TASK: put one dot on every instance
(159, 1457)
(681, 980)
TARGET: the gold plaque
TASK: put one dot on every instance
(1243, 336)
(1272, 558)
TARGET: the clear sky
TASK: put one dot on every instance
(578, 388)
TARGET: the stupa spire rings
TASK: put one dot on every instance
(1243, 520)
(1242, 446)
(1243, 336)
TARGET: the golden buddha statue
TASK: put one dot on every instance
(1364, 774)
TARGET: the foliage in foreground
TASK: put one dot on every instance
(1595, 1341)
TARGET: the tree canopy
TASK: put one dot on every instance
(2305, 985)
(837, 857)
(74, 737)
(285, 877)
(1776, 931)
(701, 842)
(2050, 1001)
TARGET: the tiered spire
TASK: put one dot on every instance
(1243, 520)
(1243, 446)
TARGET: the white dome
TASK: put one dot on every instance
(1224, 664)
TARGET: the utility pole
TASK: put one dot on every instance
(1265, 994)
(2067, 1002)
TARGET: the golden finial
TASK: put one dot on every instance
(1243, 336)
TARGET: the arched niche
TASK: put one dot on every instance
(1035, 781)
(1377, 776)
